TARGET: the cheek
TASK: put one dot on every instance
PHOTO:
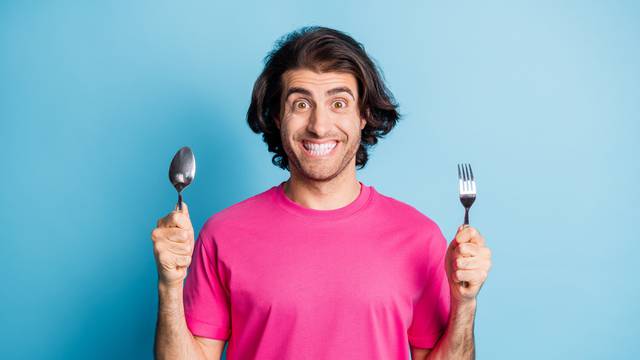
(350, 124)
(290, 125)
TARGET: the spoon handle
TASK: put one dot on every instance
(179, 201)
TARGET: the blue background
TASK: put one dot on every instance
(542, 98)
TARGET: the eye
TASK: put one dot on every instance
(300, 105)
(339, 104)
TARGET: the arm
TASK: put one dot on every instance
(418, 353)
(467, 259)
(457, 342)
(173, 338)
(173, 245)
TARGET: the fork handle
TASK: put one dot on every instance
(466, 222)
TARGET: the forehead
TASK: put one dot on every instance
(312, 80)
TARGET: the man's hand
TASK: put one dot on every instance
(173, 242)
(467, 259)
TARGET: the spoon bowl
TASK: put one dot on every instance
(182, 171)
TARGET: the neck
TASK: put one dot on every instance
(322, 195)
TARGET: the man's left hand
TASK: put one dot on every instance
(467, 259)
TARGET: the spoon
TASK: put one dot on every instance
(182, 171)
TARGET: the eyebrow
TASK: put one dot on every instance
(303, 91)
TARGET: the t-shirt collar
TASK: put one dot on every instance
(334, 214)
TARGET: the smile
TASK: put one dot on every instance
(319, 150)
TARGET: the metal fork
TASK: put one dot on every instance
(467, 191)
(466, 188)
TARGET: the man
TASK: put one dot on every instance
(321, 266)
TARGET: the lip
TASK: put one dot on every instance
(330, 153)
(320, 142)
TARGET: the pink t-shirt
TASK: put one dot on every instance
(282, 281)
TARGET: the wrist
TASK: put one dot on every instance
(169, 293)
(464, 305)
(170, 297)
(170, 287)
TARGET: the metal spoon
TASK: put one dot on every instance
(182, 171)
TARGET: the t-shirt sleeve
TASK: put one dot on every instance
(431, 310)
(206, 301)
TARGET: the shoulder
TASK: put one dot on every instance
(240, 212)
(422, 230)
(408, 214)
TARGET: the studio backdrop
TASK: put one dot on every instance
(541, 97)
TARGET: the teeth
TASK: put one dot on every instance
(319, 149)
(312, 146)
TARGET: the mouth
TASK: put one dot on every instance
(319, 150)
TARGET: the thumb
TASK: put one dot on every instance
(185, 208)
(460, 228)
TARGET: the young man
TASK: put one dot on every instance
(320, 266)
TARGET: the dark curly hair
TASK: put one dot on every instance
(322, 50)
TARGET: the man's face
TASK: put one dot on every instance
(320, 123)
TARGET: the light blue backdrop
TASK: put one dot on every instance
(542, 98)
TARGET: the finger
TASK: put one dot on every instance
(183, 249)
(471, 263)
(183, 260)
(462, 227)
(459, 238)
(469, 234)
(176, 219)
(185, 208)
(179, 235)
(167, 248)
(468, 249)
(167, 221)
(485, 252)
(173, 234)
(471, 276)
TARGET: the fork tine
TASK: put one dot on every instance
(459, 180)
(473, 180)
(466, 177)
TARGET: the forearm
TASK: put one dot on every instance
(458, 341)
(173, 338)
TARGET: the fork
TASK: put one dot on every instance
(467, 191)
(466, 188)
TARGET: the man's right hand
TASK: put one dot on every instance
(173, 242)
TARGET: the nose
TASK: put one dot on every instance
(320, 122)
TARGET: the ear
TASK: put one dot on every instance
(277, 121)
(363, 123)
